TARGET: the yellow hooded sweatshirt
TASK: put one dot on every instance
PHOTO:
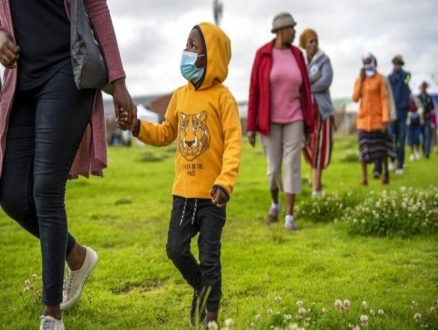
(205, 121)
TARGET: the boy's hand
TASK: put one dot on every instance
(218, 197)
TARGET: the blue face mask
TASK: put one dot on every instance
(188, 68)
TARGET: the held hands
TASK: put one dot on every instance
(218, 197)
(9, 51)
(123, 105)
(362, 74)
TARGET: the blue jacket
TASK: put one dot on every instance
(320, 88)
(400, 89)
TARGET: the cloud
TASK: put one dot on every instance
(151, 35)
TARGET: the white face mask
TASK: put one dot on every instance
(370, 69)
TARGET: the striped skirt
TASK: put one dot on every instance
(319, 152)
(375, 145)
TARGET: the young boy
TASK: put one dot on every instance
(203, 117)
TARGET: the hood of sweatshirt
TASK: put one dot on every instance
(217, 47)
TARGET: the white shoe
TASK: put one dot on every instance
(391, 166)
(412, 157)
(399, 171)
(289, 223)
(316, 194)
(417, 155)
(76, 279)
(50, 323)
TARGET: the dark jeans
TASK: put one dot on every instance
(190, 216)
(426, 137)
(44, 132)
(400, 141)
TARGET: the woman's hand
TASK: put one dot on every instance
(9, 51)
(123, 104)
(251, 138)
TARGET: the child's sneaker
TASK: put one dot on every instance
(76, 279)
(197, 310)
(385, 181)
(412, 157)
(50, 323)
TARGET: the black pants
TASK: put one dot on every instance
(44, 132)
(189, 217)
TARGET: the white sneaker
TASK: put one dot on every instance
(290, 224)
(412, 157)
(399, 171)
(316, 194)
(50, 323)
(417, 155)
(76, 279)
(391, 166)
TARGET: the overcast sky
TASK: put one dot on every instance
(152, 34)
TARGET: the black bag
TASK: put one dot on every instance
(89, 67)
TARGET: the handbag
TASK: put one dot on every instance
(88, 63)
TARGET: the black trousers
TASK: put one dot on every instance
(188, 218)
(44, 132)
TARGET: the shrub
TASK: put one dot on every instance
(403, 212)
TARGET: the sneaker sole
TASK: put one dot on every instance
(75, 298)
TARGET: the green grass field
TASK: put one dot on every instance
(124, 218)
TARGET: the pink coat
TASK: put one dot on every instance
(91, 156)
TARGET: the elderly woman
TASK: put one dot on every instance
(280, 109)
(372, 117)
(320, 71)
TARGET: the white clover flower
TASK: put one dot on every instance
(34, 277)
(27, 282)
(252, 325)
(346, 304)
(414, 304)
(432, 309)
(301, 311)
(300, 303)
(212, 325)
(364, 304)
(269, 311)
(324, 310)
(372, 312)
(338, 303)
(364, 320)
(258, 317)
(417, 317)
(277, 298)
(287, 317)
(380, 312)
(229, 323)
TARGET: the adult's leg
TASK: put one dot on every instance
(62, 114)
(401, 142)
(273, 150)
(427, 135)
(292, 140)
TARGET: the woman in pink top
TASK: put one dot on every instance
(280, 109)
(50, 131)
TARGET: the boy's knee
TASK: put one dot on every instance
(174, 252)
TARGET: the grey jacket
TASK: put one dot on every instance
(321, 87)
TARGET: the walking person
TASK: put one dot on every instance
(428, 108)
(372, 117)
(50, 131)
(320, 71)
(280, 109)
(399, 81)
(204, 119)
(414, 123)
